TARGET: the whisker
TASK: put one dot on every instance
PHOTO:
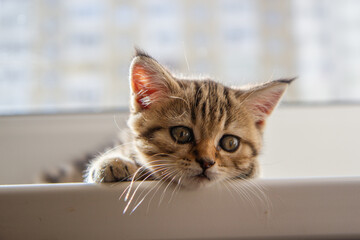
(177, 187)
(133, 194)
(263, 197)
(144, 167)
(246, 186)
(166, 154)
(227, 188)
(167, 171)
(136, 189)
(159, 182)
(186, 59)
(117, 125)
(241, 192)
(163, 194)
(124, 191)
(133, 178)
(156, 191)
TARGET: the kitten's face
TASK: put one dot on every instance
(193, 132)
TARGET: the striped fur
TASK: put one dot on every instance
(211, 110)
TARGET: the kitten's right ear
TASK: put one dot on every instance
(261, 100)
(150, 82)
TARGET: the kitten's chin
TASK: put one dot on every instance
(195, 182)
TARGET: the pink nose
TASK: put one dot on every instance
(205, 163)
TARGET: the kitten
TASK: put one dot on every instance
(189, 131)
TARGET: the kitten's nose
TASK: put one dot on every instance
(205, 163)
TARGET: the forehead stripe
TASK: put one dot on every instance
(149, 133)
(254, 152)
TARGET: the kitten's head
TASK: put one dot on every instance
(195, 132)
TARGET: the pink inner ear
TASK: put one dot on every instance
(142, 85)
(267, 104)
(263, 106)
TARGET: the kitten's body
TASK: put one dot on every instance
(190, 132)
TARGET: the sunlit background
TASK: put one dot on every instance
(72, 55)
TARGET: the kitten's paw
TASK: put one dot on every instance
(110, 170)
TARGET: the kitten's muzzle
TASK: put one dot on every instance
(203, 175)
(205, 163)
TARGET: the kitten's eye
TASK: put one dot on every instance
(181, 134)
(229, 143)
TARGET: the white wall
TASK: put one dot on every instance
(300, 141)
(313, 141)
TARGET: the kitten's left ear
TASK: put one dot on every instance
(261, 100)
(150, 82)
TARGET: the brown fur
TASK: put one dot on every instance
(161, 101)
(211, 110)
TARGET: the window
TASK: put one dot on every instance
(68, 55)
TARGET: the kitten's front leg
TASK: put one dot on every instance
(110, 169)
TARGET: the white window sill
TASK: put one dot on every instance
(306, 208)
(300, 143)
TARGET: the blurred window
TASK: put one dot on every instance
(65, 55)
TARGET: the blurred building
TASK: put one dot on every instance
(60, 55)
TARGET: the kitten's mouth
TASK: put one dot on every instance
(202, 176)
(198, 180)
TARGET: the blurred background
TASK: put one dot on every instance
(65, 55)
(73, 56)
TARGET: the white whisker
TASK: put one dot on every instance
(241, 192)
(133, 178)
(166, 171)
(177, 187)
(163, 194)
(136, 189)
(161, 181)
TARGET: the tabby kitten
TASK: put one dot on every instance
(188, 131)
